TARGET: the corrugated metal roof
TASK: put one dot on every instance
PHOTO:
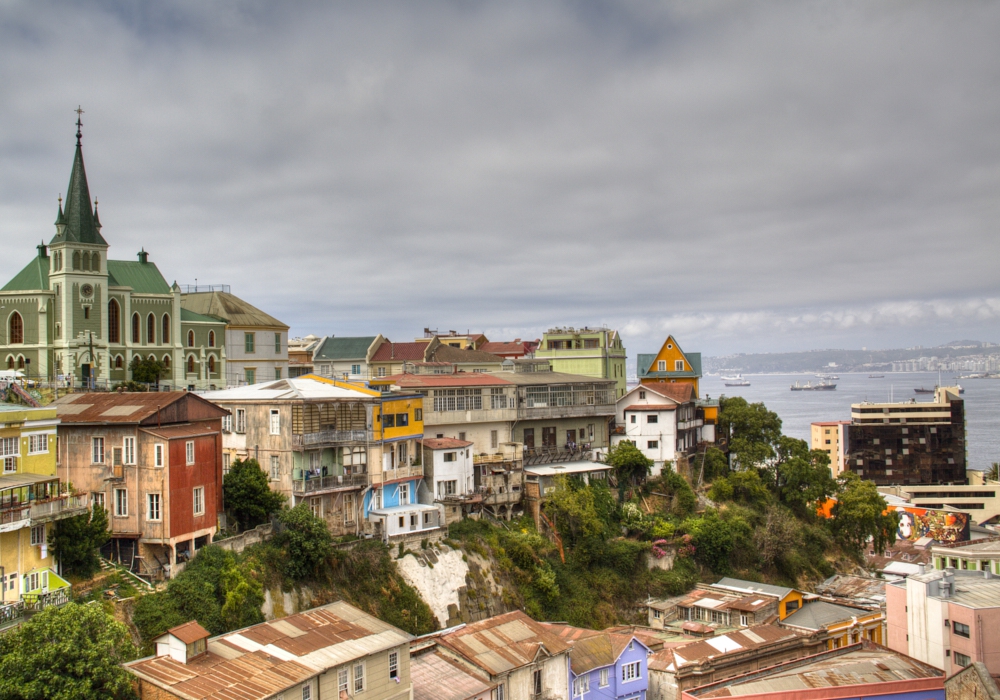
(333, 348)
(33, 277)
(260, 661)
(142, 277)
(436, 677)
(189, 632)
(129, 407)
(752, 586)
(487, 643)
(819, 614)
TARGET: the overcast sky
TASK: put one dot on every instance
(748, 176)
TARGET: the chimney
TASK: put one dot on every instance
(921, 569)
(143, 256)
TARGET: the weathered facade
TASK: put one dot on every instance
(590, 352)
(153, 461)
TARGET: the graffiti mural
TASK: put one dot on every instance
(943, 526)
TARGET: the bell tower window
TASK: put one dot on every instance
(76, 259)
(95, 262)
(86, 262)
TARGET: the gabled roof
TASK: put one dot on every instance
(230, 309)
(189, 632)
(142, 277)
(333, 348)
(308, 386)
(79, 217)
(599, 650)
(435, 676)
(732, 642)
(409, 352)
(679, 392)
(261, 661)
(819, 614)
(192, 317)
(753, 587)
(34, 276)
(502, 643)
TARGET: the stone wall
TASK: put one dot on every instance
(237, 543)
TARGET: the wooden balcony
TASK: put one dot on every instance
(331, 437)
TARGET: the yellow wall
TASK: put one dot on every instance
(670, 352)
(410, 406)
(711, 414)
(870, 628)
(17, 555)
(783, 610)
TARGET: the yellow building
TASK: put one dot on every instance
(31, 500)
(789, 599)
(831, 437)
(670, 364)
(840, 624)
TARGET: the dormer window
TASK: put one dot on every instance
(183, 643)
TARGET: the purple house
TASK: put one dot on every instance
(608, 666)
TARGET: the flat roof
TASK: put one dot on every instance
(13, 481)
(309, 386)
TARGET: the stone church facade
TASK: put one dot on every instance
(74, 315)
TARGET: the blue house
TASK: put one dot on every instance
(608, 666)
(393, 506)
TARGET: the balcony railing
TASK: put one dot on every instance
(398, 473)
(17, 516)
(59, 508)
(317, 484)
(324, 437)
(36, 602)
(11, 613)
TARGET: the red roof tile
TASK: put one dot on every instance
(681, 392)
(411, 352)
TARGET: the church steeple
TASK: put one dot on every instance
(81, 224)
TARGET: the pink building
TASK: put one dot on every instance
(947, 618)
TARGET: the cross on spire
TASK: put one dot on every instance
(79, 134)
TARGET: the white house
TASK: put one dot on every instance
(449, 477)
(660, 419)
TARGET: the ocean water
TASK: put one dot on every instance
(798, 409)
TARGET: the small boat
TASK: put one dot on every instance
(922, 390)
(737, 378)
(876, 376)
(822, 386)
(741, 382)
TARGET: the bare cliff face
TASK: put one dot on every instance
(458, 585)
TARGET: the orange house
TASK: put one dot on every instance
(670, 364)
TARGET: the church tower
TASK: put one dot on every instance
(78, 278)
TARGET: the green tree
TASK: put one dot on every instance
(681, 499)
(744, 487)
(629, 463)
(77, 541)
(247, 495)
(146, 370)
(860, 514)
(993, 473)
(751, 431)
(573, 510)
(802, 476)
(306, 540)
(713, 541)
(68, 652)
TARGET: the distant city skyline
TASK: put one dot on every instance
(748, 178)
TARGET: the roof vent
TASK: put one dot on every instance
(143, 256)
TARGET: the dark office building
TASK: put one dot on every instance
(909, 443)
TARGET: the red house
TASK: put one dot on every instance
(154, 462)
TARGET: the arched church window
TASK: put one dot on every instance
(76, 259)
(166, 361)
(86, 262)
(10, 362)
(190, 339)
(151, 330)
(20, 361)
(136, 325)
(119, 362)
(114, 322)
(95, 262)
(211, 339)
(211, 364)
(190, 364)
(165, 334)
(16, 334)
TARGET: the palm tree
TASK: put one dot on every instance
(993, 473)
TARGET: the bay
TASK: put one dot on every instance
(798, 409)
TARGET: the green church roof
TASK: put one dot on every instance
(34, 277)
(142, 277)
(81, 224)
(192, 317)
(333, 348)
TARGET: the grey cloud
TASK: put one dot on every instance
(746, 172)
